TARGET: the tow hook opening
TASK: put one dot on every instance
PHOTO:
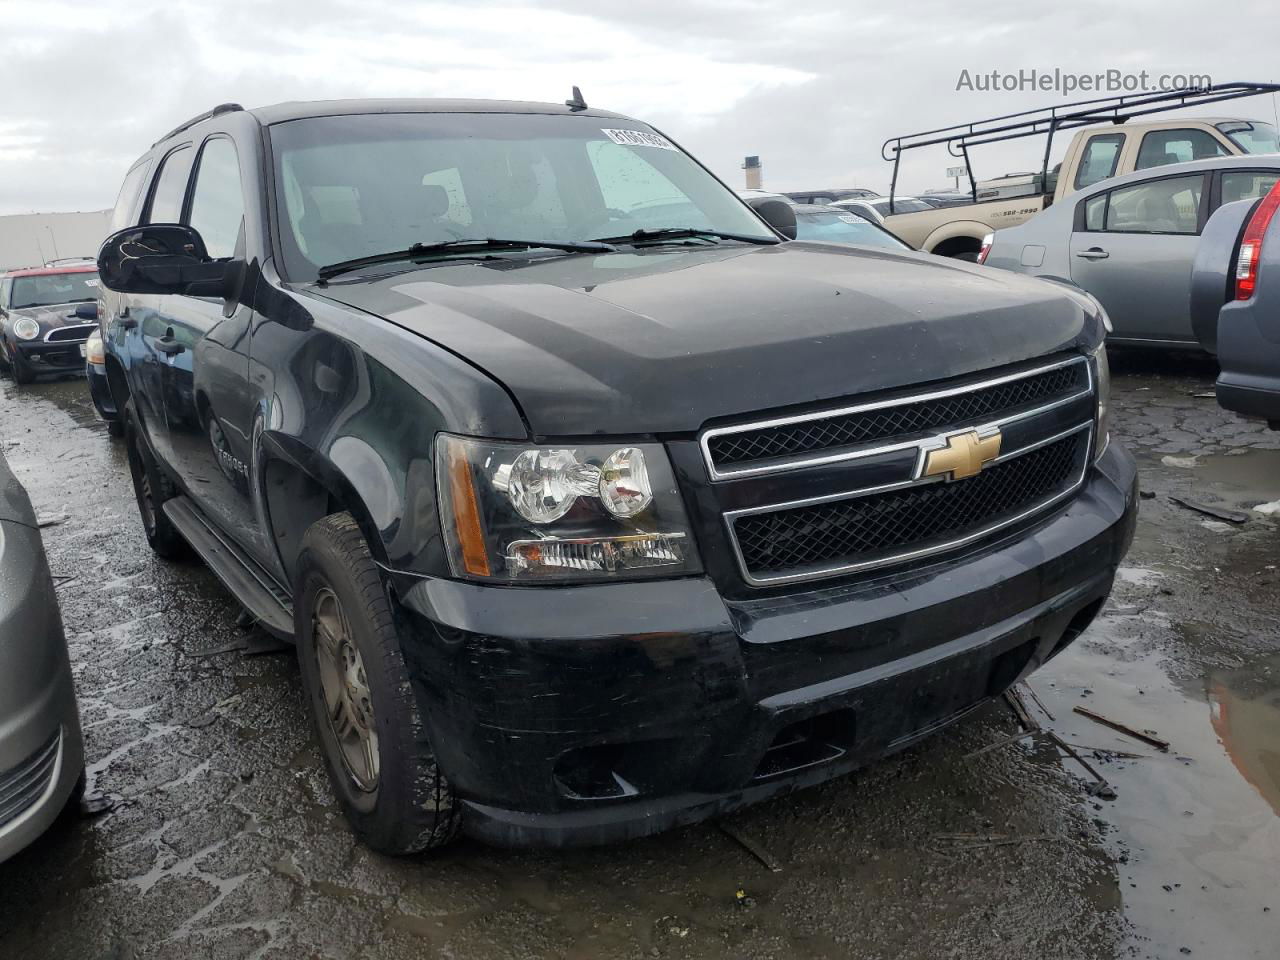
(808, 743)
(612, 771)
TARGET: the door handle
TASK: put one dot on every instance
(169, 346)
(1093, 253)
(126, 321)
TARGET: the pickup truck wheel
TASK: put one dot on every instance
(151, 488)
(370, 729)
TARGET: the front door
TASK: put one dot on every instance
(1132, 249)
(206, 397)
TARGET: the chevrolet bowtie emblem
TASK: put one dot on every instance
(963, 456)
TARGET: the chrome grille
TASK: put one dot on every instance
(790, 442)
(70, 334)
(879, 528)
(23, 785)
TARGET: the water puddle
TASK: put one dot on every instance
(1250, 476)
(1197, 829)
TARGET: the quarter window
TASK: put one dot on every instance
(1095, 212)
(1247, 185)
(1101, 155)
(1178, 146)
(171, 187)
(217, 202)
(1170, 205)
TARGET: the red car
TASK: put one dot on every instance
(46, 313)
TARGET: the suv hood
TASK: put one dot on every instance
(664, 340)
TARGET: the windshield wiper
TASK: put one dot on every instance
(683, 233)
(424, 251)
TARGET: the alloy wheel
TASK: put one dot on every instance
(348, 701)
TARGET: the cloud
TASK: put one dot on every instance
(813, 88)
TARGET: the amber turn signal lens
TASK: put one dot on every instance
(466, 518)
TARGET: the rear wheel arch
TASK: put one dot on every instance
(117, 382)
(957, 238)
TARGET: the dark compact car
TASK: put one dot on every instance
(41, 747)
(1235, 303)
(46, 313)
(592, 506)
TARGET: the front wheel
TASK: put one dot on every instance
(22, 372)
(370, 729)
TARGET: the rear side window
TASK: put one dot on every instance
(1099, 160)
(217, 201)
(1160, 147)
(1170, 205)
(171, 187)
(1247, 184)
(124, 213)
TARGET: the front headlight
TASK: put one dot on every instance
(1102, 426)
(24, 328)
(93, 349)
(516, 512)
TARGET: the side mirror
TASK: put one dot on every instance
(164, 258)
(86, 311)
(778, 214)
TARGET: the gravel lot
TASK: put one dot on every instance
(225, 841)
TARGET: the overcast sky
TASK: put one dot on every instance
(813, 88)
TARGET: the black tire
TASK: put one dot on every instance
(115, 428)
(151, 488)
(406, 805)
(5, 369)
(21, 370)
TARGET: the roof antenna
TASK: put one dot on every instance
(576, 103)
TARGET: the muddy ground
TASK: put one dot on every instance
(225, 840)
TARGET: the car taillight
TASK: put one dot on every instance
(1251, 244)
(986, 247)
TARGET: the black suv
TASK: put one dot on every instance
(593, 506)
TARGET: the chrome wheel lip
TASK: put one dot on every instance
(344, 691)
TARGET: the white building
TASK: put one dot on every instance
(33, 239)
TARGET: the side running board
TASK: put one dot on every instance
(256, 589)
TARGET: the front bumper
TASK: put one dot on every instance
(586, 715)
(41, 747)
(60, 356)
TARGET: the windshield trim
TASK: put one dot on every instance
(278, 223)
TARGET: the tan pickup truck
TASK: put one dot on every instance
(1095, 153)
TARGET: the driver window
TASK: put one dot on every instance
(217, 202)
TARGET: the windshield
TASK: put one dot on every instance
(830, 227)
(53, 288)
(1252, 137)
(355, 186)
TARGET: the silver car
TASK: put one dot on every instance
(1130, 241)
(41, 748)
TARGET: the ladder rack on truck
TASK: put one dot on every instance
(1049, 120)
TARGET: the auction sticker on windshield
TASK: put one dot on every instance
(639, 138)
